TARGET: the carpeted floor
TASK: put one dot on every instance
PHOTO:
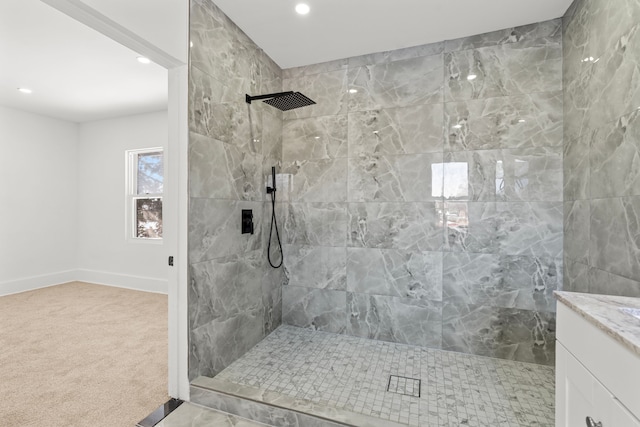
(79, 354)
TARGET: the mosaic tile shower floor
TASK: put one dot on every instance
(353, 374)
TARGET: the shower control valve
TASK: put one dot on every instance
(247, 221)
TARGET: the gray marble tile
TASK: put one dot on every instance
(222, 171)
(577, 94)
(269, 232)
(533, 120)
(502, 70)
(317, 180)
(317, 309)
(323, 67)
(576, 168)
(234, 122)
(223, 287)
(530, 228)
(537, 34)
(397, 273)
(505, 281)
(221, 49)
(204, 90)
(506, 333)
(215, 345)
(403, 320)
(575, 5)
(608, 35)
(270, 77)
(397, 54)
(614, 38)
(605, 283)
(530, 174)
(408, 130)
(395, 178)
(471, 227)
(472, 175)
(316, 224)
(328, 90)
(214, 229)
(615, 236)
(577, 216)
(316, 266)
(615, 158)
(271, 142)
(575, 276)
(397, 84)
(273, 280)
(408, 226)
(513, 228)
(314, 138)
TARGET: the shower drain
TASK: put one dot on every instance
(404, 385)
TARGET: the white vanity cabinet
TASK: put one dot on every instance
(580, 395)
(596, 375)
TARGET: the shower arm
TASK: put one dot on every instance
(268, 96)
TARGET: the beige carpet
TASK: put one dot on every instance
(82, 355)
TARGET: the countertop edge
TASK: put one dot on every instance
(604, 325)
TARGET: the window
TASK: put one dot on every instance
(145, 181)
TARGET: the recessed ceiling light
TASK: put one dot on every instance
(457, 126)
(317, 137)
(25, 90)
(302, 8)
(353, 90)
(190, 44)
(521, 121)
(471, 77)
(144, 60)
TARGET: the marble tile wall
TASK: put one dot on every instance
(602, 146)
(235, 298)
(426, 206)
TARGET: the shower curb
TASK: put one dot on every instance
(275, 409)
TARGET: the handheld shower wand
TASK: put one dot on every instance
(273, 180)
(274, 223)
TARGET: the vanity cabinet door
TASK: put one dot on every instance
(579, 394)
(622, 417)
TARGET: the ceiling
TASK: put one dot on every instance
(79, 75)
(336, 29)
(76, 73)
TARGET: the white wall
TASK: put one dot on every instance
(104, 253)
(37, 200)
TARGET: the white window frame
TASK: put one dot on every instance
(131, 159)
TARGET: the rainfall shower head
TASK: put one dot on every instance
(284, 101)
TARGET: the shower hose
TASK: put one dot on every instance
(274, 224)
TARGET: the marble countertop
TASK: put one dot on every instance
(604, 312)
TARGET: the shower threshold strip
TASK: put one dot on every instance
(322, 413)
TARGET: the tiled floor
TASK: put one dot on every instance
(353, 374)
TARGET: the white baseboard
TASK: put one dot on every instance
(36, 282)
(138, 283)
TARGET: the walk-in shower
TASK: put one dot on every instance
(283, 101)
